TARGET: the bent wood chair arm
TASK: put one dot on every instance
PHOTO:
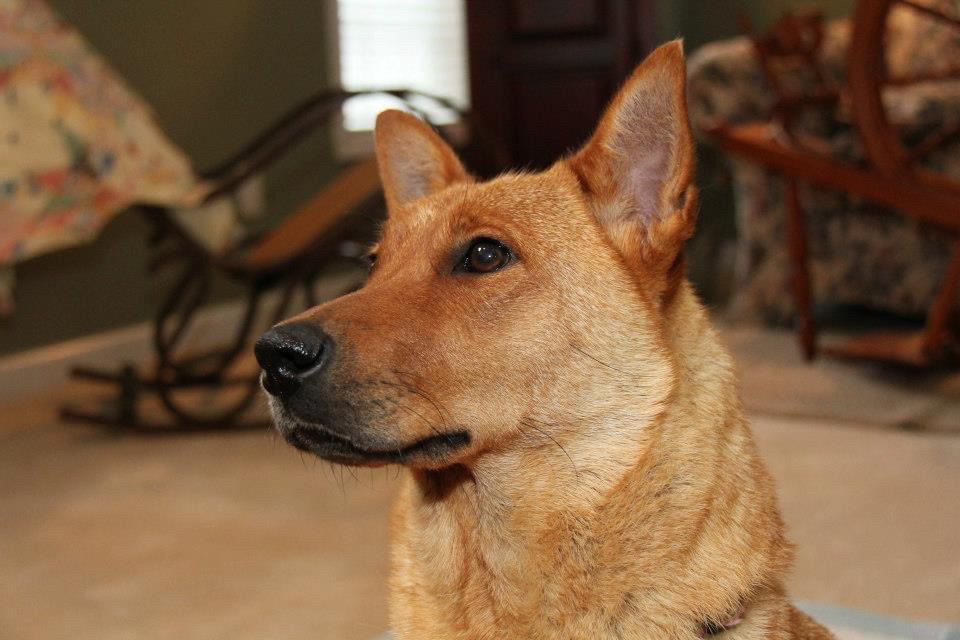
(292, 128)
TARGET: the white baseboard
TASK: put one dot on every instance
(32, 370)
(49, 366)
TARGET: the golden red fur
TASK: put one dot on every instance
(601, 481)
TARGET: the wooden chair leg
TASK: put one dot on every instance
(800, 277)
(936, 331)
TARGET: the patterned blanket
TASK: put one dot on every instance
(76, 145)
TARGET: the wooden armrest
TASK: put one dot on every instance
(934, 204)
(317, 217)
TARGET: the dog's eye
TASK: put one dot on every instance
(485, 256)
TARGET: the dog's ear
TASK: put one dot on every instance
(637, 169)
(413, 160)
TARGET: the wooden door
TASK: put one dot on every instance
(541, 71)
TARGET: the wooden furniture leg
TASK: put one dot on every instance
(930, 347)
(800, 273)
(937, 330)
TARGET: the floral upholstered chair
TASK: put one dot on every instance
(860, 253)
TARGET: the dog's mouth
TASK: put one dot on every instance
(429, 451)
(334, 448)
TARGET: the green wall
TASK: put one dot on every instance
(215, 73)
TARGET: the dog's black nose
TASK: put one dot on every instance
(287, 353)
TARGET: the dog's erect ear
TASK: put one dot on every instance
(414, 161)
(637, 169)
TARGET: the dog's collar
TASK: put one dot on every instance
(713, 628)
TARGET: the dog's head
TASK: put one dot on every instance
(499, 313)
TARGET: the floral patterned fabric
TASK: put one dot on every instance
(76, 146)
(860, 253)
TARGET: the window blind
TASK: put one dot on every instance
(411, 44)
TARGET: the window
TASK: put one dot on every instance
(399, 44)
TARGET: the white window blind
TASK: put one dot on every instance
(402, 44)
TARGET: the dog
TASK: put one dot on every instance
(530, 350)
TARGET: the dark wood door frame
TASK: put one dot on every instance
(541, 71)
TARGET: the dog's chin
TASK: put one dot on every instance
(434, 452)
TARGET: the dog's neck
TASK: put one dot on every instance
(619, 526)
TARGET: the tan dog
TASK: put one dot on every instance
(579, 465)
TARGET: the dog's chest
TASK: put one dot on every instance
(465, 580)
(461, 581)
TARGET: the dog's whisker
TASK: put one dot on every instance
(343, 489)
(438, 406)
(583, 352)
(524, 422)
(429, 424)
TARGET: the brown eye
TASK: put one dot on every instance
(485, 256)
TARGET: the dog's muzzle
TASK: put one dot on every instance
(337, 419)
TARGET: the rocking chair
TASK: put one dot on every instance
(207, 390)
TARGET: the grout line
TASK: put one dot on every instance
(914, 427)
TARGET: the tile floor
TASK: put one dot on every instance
(236, 536)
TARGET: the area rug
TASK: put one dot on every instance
(851, 624)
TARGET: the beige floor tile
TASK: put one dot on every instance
(874, 513)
